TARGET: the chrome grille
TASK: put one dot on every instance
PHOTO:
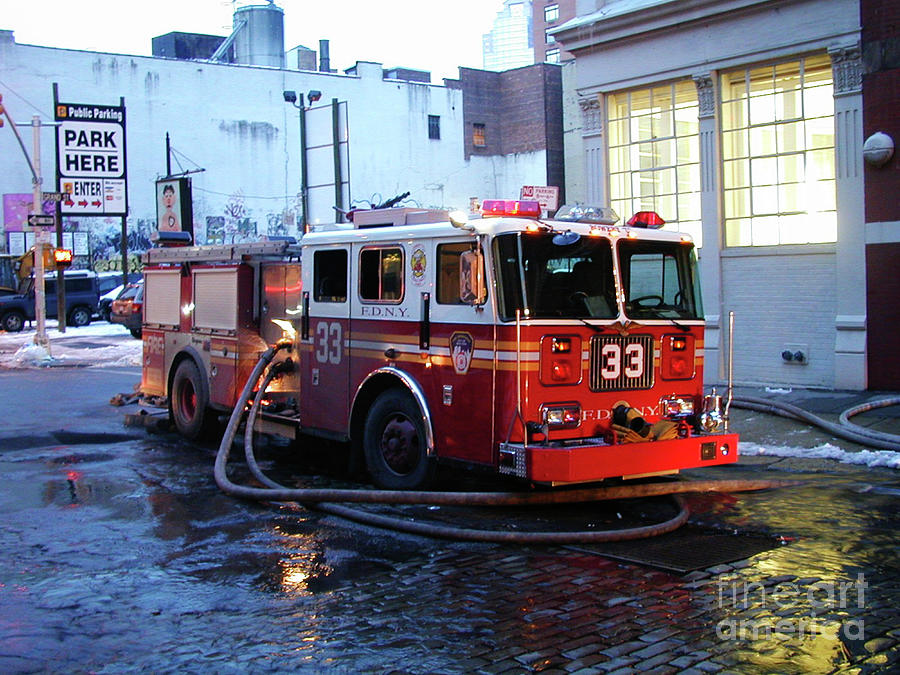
(621, 362)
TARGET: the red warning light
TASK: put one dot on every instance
(649, 219)
(511, 207)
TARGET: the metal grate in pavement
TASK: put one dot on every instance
(687, 549)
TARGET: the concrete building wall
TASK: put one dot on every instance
(781, 300)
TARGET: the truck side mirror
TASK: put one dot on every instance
(472, 290)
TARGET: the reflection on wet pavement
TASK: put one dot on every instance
(125, 556)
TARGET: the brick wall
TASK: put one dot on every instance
(521, 110)
(881, 101)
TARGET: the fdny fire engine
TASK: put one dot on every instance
(557, 351)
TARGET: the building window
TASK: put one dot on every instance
(552, 56)
(551, 13)
(778, 154)
(548, 38)
(654, 155)
(434, 127)
(478, 135)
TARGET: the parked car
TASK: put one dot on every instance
(110, 287)
(82, 296)
(127, 309)
(104, 307)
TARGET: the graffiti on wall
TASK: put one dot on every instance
(236, 222)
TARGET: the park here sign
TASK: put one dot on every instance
(90, 143)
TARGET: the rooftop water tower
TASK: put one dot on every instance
(259, 35)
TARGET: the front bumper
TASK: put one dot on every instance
(594, 459)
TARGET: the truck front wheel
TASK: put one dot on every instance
(188, 401)
(394, 443)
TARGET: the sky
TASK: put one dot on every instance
(433, 35)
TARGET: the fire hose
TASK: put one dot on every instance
(845, 429)
(321, 498)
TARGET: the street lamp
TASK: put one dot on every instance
(290, 96)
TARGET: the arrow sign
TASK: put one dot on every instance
(41, 221)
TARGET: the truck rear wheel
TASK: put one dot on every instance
(188, 401)
(394, 443)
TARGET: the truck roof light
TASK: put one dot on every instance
(649, 219)
(580, 213)
(511, 207)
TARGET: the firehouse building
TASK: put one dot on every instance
(741, 123)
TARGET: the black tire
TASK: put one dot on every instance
(13, 322)
(136, 333)
(188, 401)
(394, 443)
(79, 316)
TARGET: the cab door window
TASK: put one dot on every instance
(381, 274)
(330, 276)
(460, 275)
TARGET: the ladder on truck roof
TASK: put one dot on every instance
(221, 252)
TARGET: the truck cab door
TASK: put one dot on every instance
(324, 337)
(463, 351)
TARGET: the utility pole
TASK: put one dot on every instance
(40, 240)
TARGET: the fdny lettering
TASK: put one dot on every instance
(388, 312)
(606, 414)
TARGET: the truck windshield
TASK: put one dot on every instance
(660, 280)
(558, 280)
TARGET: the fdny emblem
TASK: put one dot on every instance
(417, 264)
(461, 349)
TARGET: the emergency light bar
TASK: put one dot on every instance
(510, 207)
(578, 213)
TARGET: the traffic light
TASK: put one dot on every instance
(62, 258)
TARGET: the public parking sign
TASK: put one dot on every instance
(90, 143)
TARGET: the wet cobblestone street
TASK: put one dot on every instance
(123, 556)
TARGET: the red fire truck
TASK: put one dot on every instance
(558, 351)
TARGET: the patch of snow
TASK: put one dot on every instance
(776, 390)
(17, 350)
(871, 458)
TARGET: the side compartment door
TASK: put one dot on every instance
(324, 337)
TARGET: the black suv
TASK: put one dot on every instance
(82, 295)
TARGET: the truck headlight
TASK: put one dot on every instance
(562, 415)
(674, 407)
